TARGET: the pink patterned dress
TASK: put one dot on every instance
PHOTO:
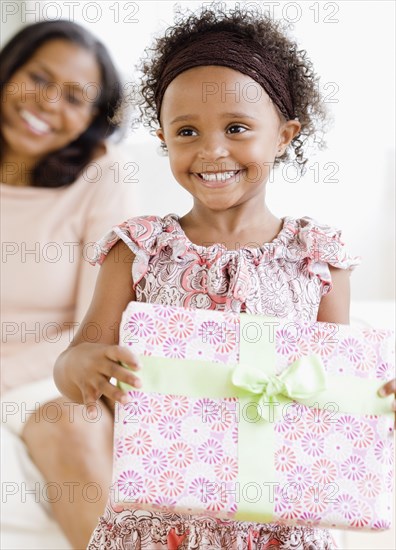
(284, 278)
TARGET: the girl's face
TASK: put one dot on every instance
(222, 133)
(49, 101)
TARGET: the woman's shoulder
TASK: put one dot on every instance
(108, 157)
(103, 177)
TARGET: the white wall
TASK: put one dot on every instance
(352, 46)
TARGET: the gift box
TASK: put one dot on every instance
(256, 419)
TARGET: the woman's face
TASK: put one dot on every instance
(50, 100)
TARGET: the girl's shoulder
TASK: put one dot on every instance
(142, 234)
(145, 236)
(318, 243)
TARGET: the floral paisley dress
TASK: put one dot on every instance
(284, 278)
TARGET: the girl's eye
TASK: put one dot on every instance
(186, 132)
(236, 129)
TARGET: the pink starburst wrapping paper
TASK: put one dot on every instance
(330, 467)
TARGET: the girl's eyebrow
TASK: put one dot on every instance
(238, 115)
(184, 118)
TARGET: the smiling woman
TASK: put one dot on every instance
(60, 92)
(48, 109)
(59, 192)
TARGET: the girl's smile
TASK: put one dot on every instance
(219, 179)
(221, 144)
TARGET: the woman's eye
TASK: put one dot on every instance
(186, 132)
(71, 98)
(236, 129)
(38, 78)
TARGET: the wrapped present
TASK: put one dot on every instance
(256, 419)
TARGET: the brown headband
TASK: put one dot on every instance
(223, 48)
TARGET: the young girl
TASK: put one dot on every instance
(230, 95)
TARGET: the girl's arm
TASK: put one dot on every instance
(334, 306)
(387, 389)
(82, 372)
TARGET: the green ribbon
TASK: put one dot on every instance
(254, 383)
(303, 379)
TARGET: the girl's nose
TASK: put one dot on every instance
(212, 148)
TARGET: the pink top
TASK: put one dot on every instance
(284, 278)
(48, 236)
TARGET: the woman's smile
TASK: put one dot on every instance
(35, 123)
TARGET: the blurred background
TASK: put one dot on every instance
(349, 185)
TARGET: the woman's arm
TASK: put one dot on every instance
(82, 372)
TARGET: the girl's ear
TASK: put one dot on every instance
(288, 131)
(160, 134)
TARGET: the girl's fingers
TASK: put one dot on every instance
(99, 388)
(388, 388)
(106, 368)
(119, 354)
(123, 374)
(115, 394)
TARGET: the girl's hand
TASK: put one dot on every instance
(387, 389)
(93, 365)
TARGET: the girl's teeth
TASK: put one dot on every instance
(218, 176)
(34, 122)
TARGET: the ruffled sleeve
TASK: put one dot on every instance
(321, 246)
(145, 236)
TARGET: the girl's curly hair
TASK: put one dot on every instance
(267, 33)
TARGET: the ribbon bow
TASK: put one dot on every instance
(301, 380)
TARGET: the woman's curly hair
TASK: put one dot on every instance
(267, 33)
